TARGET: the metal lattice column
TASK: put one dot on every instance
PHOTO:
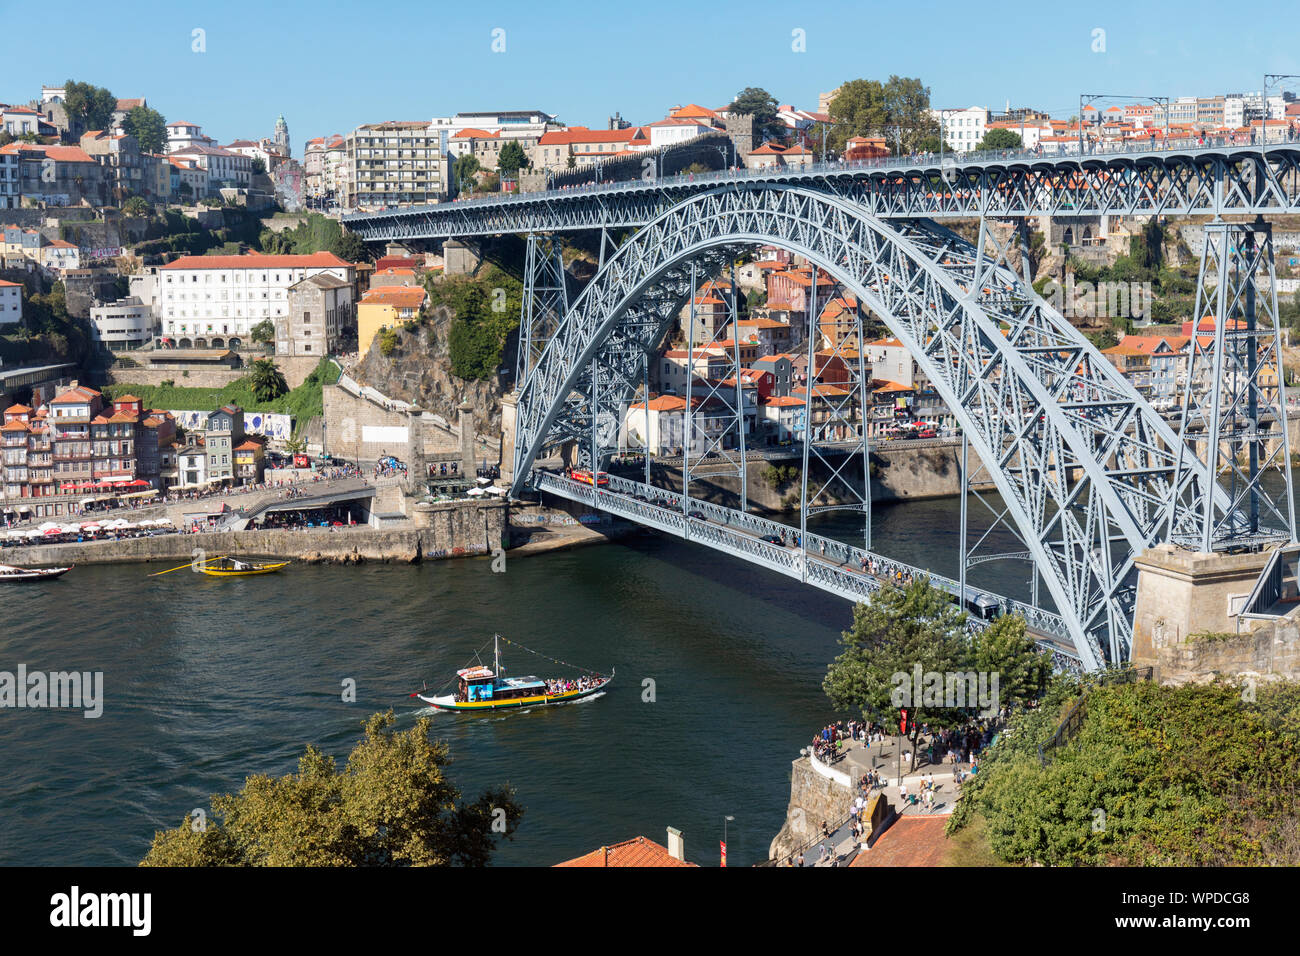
(545, 302)
(1234, 399)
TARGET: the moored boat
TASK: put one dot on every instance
(483, 688)
(234, 568)
(10, 573)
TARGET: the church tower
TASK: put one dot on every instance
(282, 136)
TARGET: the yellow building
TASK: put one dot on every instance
(389, 306)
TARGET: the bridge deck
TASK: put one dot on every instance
(826, 563)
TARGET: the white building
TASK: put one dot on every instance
(670, 132)
(961, 129)
(9, 192)
(224, 168)
(396, 164)
(125, 324)
(11, 302)
(182, 135)
(214, 301)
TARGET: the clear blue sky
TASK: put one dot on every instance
(329, 66)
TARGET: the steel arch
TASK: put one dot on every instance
(1086, 467)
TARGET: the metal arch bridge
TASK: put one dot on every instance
(1209, 181)
(1090, 474)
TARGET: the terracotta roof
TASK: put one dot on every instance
(580, 134)
(785, 401)
(910, 841)
(16, 409)
(402, 296)
(60, 154)
(313, 261)
(75, 396)
(640, 852)
(127, 398)
(15, 426)
(894, 387)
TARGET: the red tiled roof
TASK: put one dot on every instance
(315, 260)
(402, 296)
(640, 852)
(910, 841)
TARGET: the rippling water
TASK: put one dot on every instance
(208, 680)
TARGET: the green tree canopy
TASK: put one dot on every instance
(267, 380)
(391, 805)
(512, 159)
(898, 630)
(898, 110)
(352, 248)
(999, 139)
(136, 206)
(257, 166)
(148, 127)
(762, 105)
(464, 169)
(92, 105)
(1166, 776)
(264, 331)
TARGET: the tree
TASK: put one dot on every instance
(1000, 139)
(512, 159)
(136, 206)
(258, 166)
(893, 635)
(391, 805)
(464, 169)
(92, 105)
(266, 380)
(898, 110)
(352, 248)
(263, 332)
(148, 127)
(762, 106)
(1006, 649)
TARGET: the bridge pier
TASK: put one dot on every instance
(1180, 593)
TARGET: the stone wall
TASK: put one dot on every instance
(295, 369)
(1272, 650)
(814, 798)
(347, 416)
(447, 530)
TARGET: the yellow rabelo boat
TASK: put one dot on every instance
(234, 568)
(484, 688)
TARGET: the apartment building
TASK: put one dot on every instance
(214, 301)
(397, 164)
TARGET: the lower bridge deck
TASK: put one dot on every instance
(849, 572)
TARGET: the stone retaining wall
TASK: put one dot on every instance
(451, 529)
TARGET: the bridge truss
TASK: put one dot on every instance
(1087, 474)
(1085, 467)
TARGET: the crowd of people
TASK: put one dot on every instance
(565, 685)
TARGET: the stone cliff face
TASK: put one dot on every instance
(419, 371)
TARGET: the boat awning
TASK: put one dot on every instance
(475, 673)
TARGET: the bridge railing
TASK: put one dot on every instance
(836, 566)
(918, 162)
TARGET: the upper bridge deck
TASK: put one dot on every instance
(1167, 179)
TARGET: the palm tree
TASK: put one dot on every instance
(266, 380)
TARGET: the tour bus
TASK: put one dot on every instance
(584, 475)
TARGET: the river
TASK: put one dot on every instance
(209, 680)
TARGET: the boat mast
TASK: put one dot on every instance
(496, 653)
